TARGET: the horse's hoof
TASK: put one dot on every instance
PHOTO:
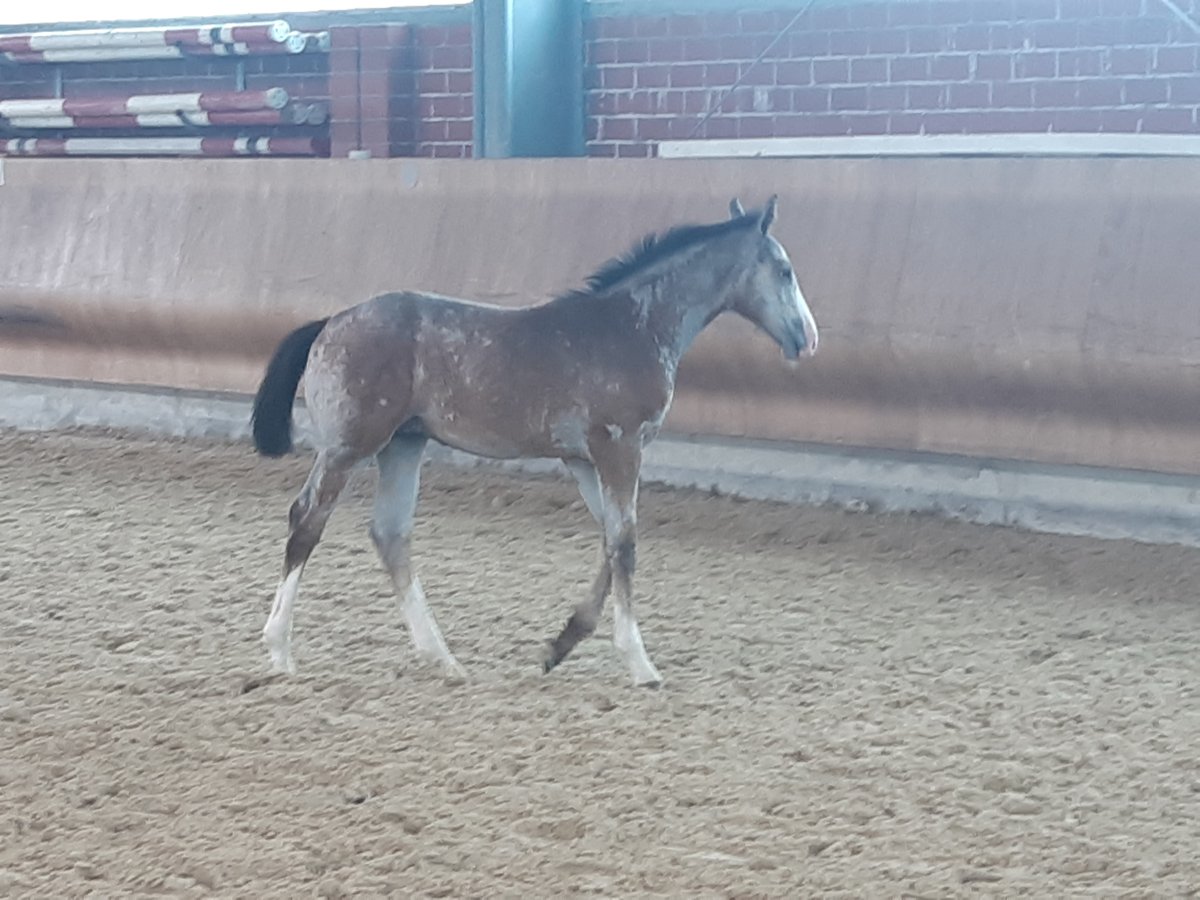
(254, 682)
(550, 658)
(282, 667)
(647, 679)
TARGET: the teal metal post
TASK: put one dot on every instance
(529, 97)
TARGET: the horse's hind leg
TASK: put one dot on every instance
(391, 530)
(307, 518)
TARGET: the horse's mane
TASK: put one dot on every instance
(654, 248)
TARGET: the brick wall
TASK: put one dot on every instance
(932, 66)
(393, 89)
(400, 90)
(899, 67)
(445, 104)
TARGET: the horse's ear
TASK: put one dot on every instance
(735, 209)
(768, 215)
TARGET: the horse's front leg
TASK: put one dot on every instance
(618, 466)
(584, 619)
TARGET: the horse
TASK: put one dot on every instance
(586, 378)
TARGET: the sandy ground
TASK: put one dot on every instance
(855, 705)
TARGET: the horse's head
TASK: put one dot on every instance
(767, 292)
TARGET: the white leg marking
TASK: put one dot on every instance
(395, 509)
(627, 638)
(426, 635)
(277, 632)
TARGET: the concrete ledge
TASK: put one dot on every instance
(1039, 144)
(1064, 500)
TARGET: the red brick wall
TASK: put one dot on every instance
(392, 89)
(400, 90)
(445, 103)
(933, 66)
(899, 67)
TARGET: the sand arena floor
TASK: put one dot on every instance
(855, 705)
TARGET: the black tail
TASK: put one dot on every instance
(271, 421)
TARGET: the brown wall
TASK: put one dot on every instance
(1032, 309)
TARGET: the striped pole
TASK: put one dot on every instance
(139, 104)
(269, 32)
(296, 43)
(268, 146)
(296, 114)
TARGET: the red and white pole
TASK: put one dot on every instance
(293, 115)
(272, 146)
(140, 104)
(295, 43)
(269, 32)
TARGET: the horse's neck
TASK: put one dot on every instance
(677, 305)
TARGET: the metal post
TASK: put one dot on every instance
(529, 98)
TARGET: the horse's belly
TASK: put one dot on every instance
(490, 442)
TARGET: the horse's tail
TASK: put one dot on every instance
(271, 421)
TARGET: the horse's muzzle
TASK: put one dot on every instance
(799, 343)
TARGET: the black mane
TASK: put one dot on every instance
(655, 247)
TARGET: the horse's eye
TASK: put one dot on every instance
(785, 273)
